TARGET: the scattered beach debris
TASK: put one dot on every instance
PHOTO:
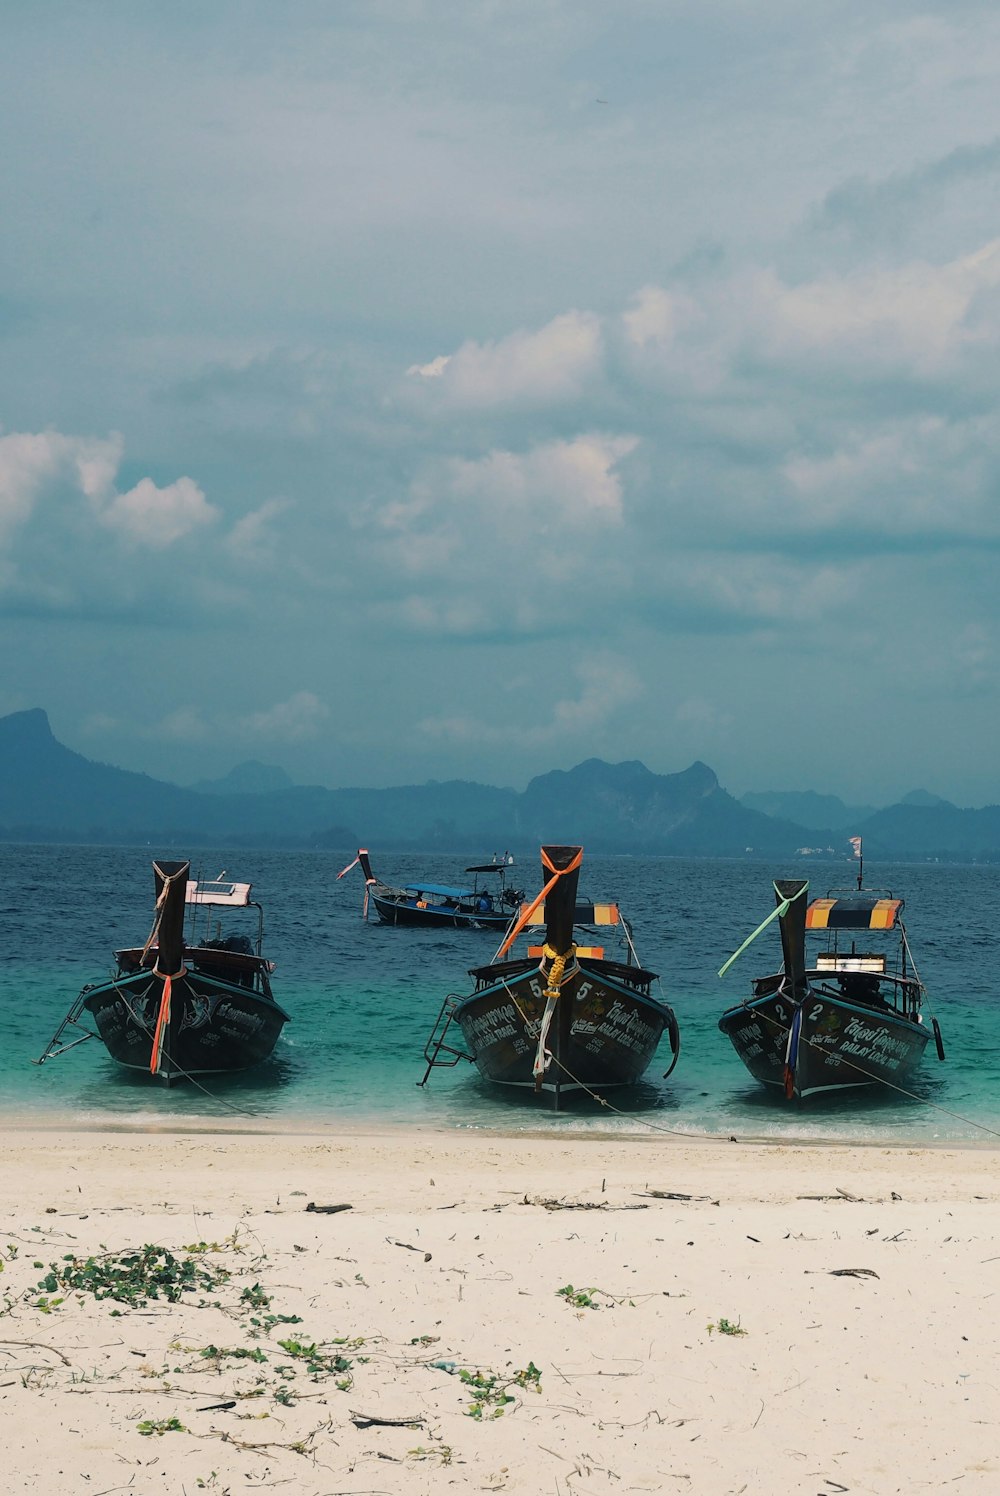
(327, 1210)
(409, 1247)
(844, 1272)
(675, 1195)
(368, 1420)
(561, 1204)
(840, 1195)
(38, 1345)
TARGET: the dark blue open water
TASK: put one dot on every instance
(363, 997)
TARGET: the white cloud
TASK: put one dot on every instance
(38, 467)
(157, 517)
(252, 537)
(186, 724)
(31, 462)
(909, 477)
(553, 364)
(434, 369)
(652, 317)
(575, 481)
(301, 716)
(607, 682)
(919, 313)
(295, 720)
(505, 536)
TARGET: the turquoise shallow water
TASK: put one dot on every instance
(363, 998)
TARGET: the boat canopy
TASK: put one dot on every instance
(489, 867)
(583, 914)
(854, 912)
(236, 895)
(439, 891)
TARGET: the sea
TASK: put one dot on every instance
(363, 998)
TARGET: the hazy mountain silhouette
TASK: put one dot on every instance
(808, 808)
(48, 792)
(251, 778)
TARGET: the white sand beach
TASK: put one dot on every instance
(660, 1315)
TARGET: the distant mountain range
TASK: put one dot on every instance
(50, 793)
(823, 812)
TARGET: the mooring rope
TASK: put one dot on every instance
(185, 1074)
(714, 1137)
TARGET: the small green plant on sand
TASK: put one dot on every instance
(132, 1278)
(490, 1394)
(442, 1455)
(160, 1426)
(580, 1298)
(726, 1327)
(238, 1353)
(317, 1363)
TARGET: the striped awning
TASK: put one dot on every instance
(583, 914)
(857, 912)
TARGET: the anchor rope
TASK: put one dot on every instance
(712, 1137)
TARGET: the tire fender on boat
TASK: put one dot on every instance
(938, 1041)
(674, 1035)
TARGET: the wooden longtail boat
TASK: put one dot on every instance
(184, 1005)
(561, 1017)
(488, 904)
(849, 1017)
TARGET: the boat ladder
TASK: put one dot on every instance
(435, 1047)
(72, 1020)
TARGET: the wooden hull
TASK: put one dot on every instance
(835, 1045)
(604, 1032)
(210, 1026)
(406, 912)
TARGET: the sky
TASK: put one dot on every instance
(397, 390)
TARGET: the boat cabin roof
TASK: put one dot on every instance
(218, 891)
(858, 911)
(583, 914)
(488, 867)
(439, 891)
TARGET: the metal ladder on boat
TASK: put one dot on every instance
(435, 1046)
(72, 1019)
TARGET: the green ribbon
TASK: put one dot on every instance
(776, 913)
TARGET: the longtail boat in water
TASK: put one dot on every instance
(488, 903)
(845, 1015)
(562, 1016)
(187, 1003)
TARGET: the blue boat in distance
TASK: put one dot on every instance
(489, 903)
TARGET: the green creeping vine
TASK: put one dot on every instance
(131, 1278)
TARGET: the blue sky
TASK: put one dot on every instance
(397, 390)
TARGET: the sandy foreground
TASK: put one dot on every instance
(595, 1284)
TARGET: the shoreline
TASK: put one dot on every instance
(564, 1129)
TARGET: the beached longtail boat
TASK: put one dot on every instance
(849, 1015)
(562, 1016)
(184, 1004)
(488, 903)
